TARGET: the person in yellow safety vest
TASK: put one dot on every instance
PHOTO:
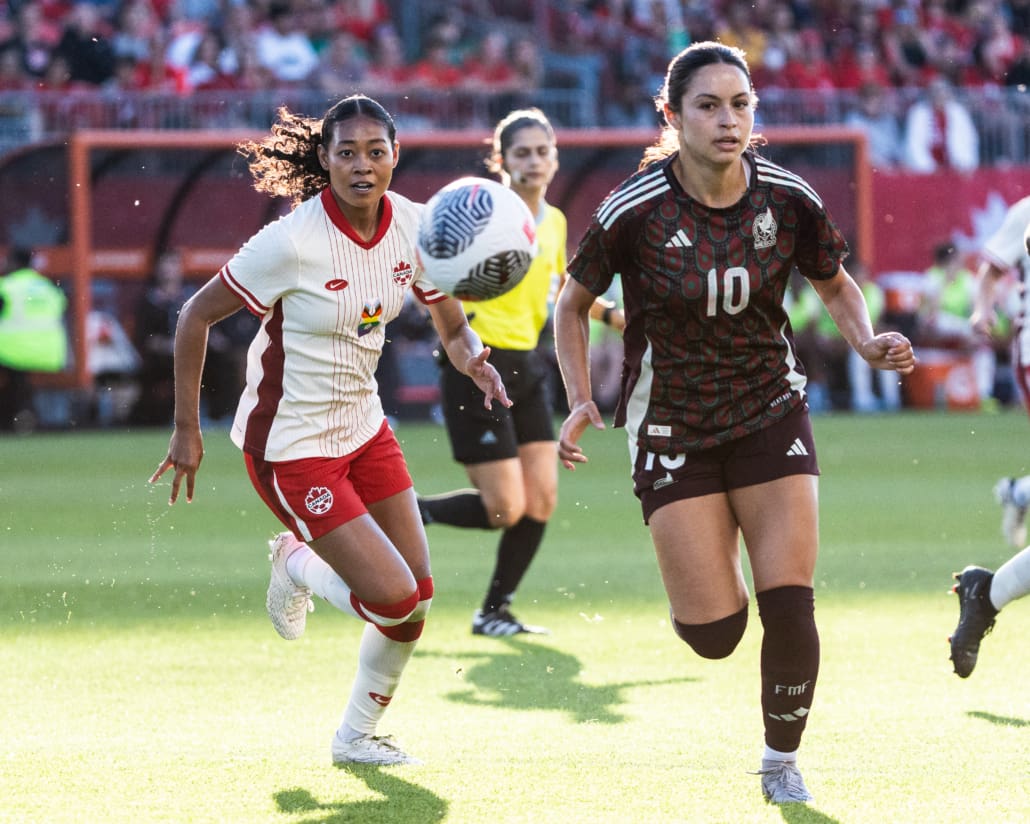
(33, 337)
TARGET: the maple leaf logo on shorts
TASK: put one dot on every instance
(319, 500)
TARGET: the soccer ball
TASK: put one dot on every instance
(476, 239)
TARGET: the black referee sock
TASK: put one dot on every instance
(515, 552)
(463, 507)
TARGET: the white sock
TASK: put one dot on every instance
(775, 755)
(1012, 580)
(307, 569)
(381, 662)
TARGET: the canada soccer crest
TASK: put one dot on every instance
(319, 500)
(402, 274)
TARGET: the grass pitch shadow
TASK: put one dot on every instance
(524, 675)
(1000, 720)
(403, 802)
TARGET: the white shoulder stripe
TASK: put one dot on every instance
(248, 298)
(771, 173)
(629, 197)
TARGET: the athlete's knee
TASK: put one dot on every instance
(503, 511)
(386, 615)
(411, 629)
(716, 639)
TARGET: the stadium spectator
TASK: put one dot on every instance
(510, 455)
(316, 443)
(860, 68)
(342, 68)
(283, 48)
(86, 46)
(996, 49)
(875, 115)
(35, 37)
(712, 394)
(528, 65)
(361, 19)
(435, 70)
(13, 77)
(387, 68)
(907, 49)
(940, 133)
(208, 68)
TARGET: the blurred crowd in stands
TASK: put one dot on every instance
(504, 47)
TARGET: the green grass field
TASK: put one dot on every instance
(140, 680)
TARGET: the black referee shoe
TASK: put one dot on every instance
(500, 623)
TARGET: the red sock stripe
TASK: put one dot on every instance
(425, 588)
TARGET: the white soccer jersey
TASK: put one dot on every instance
(324, 296)
(1006, 249)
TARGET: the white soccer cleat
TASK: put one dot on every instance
(1013, 512)
(370, 749)
(782, 783)
(288, 604)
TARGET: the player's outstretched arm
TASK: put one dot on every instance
(466, 351)
(846, 304)
(186, 448)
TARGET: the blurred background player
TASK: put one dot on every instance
(325, 280)
(510, 455)
(1005, 257)
(982, 593)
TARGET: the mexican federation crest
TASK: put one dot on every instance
(764, 230)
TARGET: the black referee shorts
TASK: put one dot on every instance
(477, 434)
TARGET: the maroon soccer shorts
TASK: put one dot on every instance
(785, 448)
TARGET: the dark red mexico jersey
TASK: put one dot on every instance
(709, 352)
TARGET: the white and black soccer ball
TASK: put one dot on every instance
(476, 239)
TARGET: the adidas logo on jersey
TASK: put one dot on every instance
(680, 240)
(797, 448)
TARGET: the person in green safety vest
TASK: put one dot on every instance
(944, 316)
(830, 362)
(33, 337)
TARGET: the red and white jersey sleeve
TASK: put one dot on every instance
(324, 296)
(1006, 248)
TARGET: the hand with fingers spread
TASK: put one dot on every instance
(185, 452)
(487, 378)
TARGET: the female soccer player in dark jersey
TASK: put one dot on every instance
(705, 236)
(325, 280)
(510, 455)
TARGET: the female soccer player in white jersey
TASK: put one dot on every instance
(510, 455)
(325, 280)
(983, 593)
(705, 236)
